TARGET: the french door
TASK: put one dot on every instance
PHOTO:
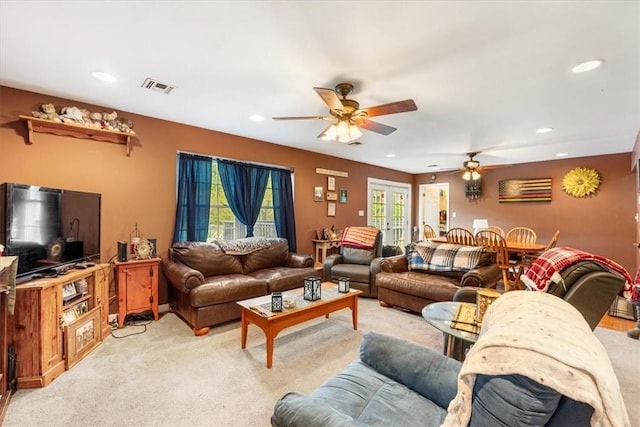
(390, 210)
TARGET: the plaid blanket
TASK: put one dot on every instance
(359, 237)
(430, 256)
(547, 267)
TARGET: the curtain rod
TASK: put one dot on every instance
(236, 160)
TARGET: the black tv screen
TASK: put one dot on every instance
(48, 229)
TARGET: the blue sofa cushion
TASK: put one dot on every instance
(373, 399)
(422, 369)
(511, 401)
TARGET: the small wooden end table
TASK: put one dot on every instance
(253, 311)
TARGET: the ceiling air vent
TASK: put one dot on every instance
(157, 86)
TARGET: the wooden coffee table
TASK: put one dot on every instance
(257, 311)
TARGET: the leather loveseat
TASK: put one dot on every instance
(410, 282)
(208, 278)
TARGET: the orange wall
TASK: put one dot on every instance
(141, 188)
(602, 223)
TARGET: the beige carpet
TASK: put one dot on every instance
(168, 377)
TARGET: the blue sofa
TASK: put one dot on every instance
(558, 375)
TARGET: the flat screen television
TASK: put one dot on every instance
(48, 229)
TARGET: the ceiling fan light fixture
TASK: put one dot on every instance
(470, 175)
(342, 131)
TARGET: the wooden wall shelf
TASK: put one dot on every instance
(35, 124)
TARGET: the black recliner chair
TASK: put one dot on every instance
(355, 264)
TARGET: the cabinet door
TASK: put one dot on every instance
(139, 287)
(101, 280)
(51, 336)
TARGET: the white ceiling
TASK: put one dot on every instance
(484, 74)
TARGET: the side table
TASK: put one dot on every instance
(321, 247)
(456, 341)
(137, 287)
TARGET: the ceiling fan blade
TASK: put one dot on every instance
(330, 98)
(304, 118)
(391, 108)
(376, 127)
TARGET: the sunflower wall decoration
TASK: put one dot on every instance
(581, 182)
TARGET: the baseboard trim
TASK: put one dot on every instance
(163, 308)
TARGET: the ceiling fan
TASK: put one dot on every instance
(471, 168)
(347, 117)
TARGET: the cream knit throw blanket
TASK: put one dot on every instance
(542, 337)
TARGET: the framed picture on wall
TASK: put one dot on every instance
(332, 195)
(331, 209)
(331, 183)
(317, 194)
(343, 196)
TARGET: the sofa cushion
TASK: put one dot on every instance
(435, 287)
(208, 258)
(226, 288)
(354, 272)
(430, 256)
(370, 398)
(280, 279)
(357, 256)
(273, 256)
(511, 401)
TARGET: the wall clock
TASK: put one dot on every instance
(581, 182)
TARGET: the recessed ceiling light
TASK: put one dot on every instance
(105, 77)
(544, 130)
(257, 118)
(587, 66)
(562, 154)
(391, 155)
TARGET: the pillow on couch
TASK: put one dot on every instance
(430, 256)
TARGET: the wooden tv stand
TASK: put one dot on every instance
(54, 328)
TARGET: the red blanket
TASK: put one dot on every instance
(359, 237)
(541, 272)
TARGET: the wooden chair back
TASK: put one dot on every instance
(554, 240)
(461, 236)
(428, 232)
(497, 229)
(496, 243)
(521, 235)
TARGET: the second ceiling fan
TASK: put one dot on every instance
(347, 117)
(471, 168)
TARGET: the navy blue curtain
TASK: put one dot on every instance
(244, 185)
(283, 214)
(194, 198)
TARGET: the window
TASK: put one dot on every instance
(223, 225)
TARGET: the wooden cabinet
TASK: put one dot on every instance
(57, 322)
(137, 287)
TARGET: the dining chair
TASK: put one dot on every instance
(429, 233)
(461, 236)
(530, 258)
(497, 229)
(496, 243)
(521, 235)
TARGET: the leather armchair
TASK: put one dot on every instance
(586, 285)
(355, 264)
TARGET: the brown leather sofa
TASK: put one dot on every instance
(412, 290)
(207, 281)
